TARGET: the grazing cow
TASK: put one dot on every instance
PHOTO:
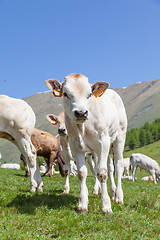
(95, 118)
(17, 121)
(48, 147)
(10, 166)
(126, 166)
(146, 163)
(62, 131)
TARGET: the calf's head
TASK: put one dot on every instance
(77, 93)
(59, 121)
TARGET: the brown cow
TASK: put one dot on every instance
(49, 148)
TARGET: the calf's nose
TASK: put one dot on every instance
(81, 114)
(61, 130)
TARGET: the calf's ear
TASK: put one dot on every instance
(55, 86)
(52, 118)
(99, 88)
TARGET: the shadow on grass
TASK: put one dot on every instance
(19, 175)
(29, 202)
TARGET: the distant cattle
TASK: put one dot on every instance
(126, 167)
(17, 121)
(49, 148)
(95, 118)
(10, 166)
(146, 163)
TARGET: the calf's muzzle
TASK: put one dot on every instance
(81, 114)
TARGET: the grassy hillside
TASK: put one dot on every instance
(151, 150)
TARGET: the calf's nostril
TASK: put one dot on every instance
(76, 113)
(86, 114)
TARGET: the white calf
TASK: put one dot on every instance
(69, 160)
(126, 166)
(146, 163)
(17, 121)
(95, 118)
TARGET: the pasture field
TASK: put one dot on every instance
(52, 215)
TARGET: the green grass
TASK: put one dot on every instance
(52, 215)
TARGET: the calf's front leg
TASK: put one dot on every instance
(82, 176)
(102, 175)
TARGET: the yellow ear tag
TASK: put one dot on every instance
(54, 122)
(98, 93)
(57, 93)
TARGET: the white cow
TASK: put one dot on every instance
(10, 166)
(95, 118)
(17, 121)
(126, 166)
(146, 163)
(69, 160)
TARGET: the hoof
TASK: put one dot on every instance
(107, 211)
(65, 192)
(40, 189)
(118, 201)
(32, 189)
(95, 192)
(80, 210)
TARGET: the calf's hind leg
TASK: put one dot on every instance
(152, 172)
(118, 146)
(27, 149)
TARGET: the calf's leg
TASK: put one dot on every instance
(110, 167)
(27, 149)
(103, 146)
(118, 146)
(152, 172)
(67, 158)
(82, 175)
(97, 186)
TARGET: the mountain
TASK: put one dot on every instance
(141, 101)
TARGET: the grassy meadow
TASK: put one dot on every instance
(52, 215)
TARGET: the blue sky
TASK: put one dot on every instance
(117, 41)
